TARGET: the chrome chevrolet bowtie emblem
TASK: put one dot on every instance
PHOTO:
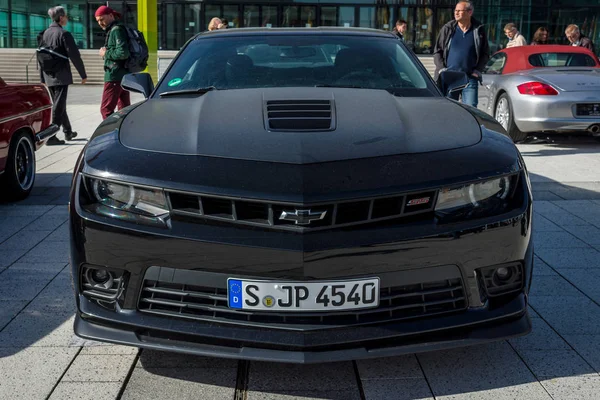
(302, 217)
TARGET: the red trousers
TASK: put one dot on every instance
(113, 96)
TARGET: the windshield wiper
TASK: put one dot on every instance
(188, 91)
(343, 86)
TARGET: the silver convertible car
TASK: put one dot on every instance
(551, 88)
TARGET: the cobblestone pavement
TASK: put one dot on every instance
(41, 359)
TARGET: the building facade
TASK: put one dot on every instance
(178, 20)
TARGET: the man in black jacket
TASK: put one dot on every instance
(462, 46)
(59, 44)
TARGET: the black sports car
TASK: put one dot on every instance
(300, 195)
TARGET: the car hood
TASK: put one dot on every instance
(570, 79)
(231, 124)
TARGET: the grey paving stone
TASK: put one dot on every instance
(389, 368)
(397, 389)
(31, 373)
(106, 348)
(7, 257)
(22, 211)
(35, 330)
(580, 208)
(11, 225)
(545, 195)
(54, 267)
(86, 391)
(60, 200)
(60, 234)
(585, 279)
(290, 377)
(306, 395)
(542, 337)
(569, 315)
(556, 214)
(553, 285)
(180, 383)
(45, 200)
(99, 368)
(24, 240)
(555, 363)
(19, 284)
(9, 309)
(576, 194)
(557, 240)
(587, 346)
(48, 251)
(164, 359)
(492, 371)
(573, 387)
(587, 233)
(47, 222)
(56, 298)
(564, 258)
(543, 224)
(540, 268)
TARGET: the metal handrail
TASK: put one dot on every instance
(27, 67)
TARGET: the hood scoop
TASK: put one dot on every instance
(299, 115)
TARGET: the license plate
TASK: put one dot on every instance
(303, 296)
(588, 110)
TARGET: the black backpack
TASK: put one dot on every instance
(49, 60)
(138, 50)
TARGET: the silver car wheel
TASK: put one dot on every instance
(503, 113)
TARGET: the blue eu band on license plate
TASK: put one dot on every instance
(303, 296)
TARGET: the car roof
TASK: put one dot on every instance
(545, 48)
(517, 58)
(323, 30)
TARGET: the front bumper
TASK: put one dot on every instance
(509, 321)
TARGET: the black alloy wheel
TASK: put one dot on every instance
(19, 175)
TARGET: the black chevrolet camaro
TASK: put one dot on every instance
(299, 195)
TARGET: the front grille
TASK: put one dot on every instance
(301, 217)
(300, 115)
(210, 304)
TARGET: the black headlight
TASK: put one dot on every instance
(476, 200)
(125, 202)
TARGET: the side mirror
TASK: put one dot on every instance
(140, 82)
(452, 81)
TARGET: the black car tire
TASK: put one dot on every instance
(19, 174)
(503, 113)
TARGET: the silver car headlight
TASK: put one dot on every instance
(489, 197)
(126, 202)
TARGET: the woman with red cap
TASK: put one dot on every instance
(115, 53)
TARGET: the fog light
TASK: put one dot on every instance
(100, 276)
(504, 273)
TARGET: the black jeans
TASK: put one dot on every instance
(59, 108)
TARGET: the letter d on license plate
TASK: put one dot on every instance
(303, 296)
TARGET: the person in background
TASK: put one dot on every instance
(400, 29)
(224, 24)
(577, 39)
(214, 23)
(540, 36)
(515, 38)
(462, 45)
(115, 53)
(61, 45)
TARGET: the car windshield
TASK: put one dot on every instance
(561, 60)
(286, 60)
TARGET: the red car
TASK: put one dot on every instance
(25, 126)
